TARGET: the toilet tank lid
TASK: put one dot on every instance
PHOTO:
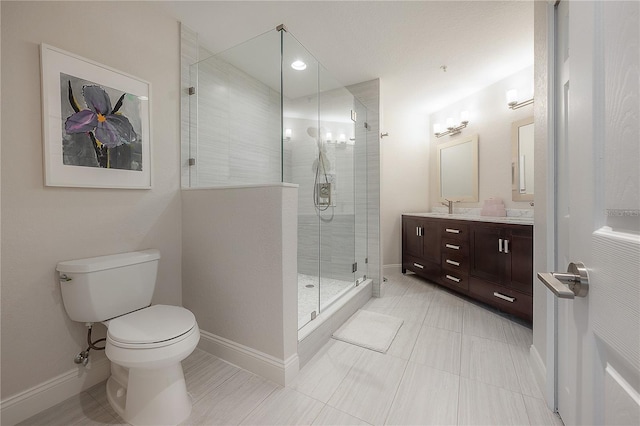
(100, 263)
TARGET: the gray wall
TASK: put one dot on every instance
(43, 225)
(491, 119)
(239, 273)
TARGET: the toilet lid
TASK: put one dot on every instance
(154, 324)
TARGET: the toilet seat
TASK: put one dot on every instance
(152, 327)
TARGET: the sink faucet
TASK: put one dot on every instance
(449, 204)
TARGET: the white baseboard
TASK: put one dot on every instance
(21, 406)
(539, 370)
(277, 370)
(392, 267)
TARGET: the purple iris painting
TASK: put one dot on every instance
(97, 132)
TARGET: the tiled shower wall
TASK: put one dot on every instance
(257, 157)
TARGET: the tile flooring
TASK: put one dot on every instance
(452, 362)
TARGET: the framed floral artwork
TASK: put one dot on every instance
(96, 124)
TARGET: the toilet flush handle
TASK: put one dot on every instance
(65, 278)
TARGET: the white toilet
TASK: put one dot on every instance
(145, 344)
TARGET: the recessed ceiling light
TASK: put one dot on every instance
(298, 65)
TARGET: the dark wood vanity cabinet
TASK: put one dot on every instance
(491, 262)
(421, 247)
(501, 266)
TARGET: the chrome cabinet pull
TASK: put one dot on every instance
(503, 297)
(506, 246)
(417, 265)
(451, 246)
(452, 262)
(500, 245)
(454, 279)
(417, 231)
(452, 231)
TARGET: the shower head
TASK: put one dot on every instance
(312, 131)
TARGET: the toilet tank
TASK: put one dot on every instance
(100, 288)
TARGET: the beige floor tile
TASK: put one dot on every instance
(438, 348)
(539, 413)
(382, 302)
(445, 312)
(408, 313)
(426, 396)
(488, 361)
(419, 286)
(78, 410)
(418, 299)
(405, 340)
(326, 370)
(230, 402)
(483, 404)
(203, 372)
(329, 416)
(99, 393)
(367, 391)
(517, 334)
(526, 377)
(482, 323)
(285, 406)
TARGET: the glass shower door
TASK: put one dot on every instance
(335, 190)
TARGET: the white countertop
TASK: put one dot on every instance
(477, 218)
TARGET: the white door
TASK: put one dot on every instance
(598, 209)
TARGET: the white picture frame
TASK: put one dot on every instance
(75, 95)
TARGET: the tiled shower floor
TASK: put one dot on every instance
(453, 362)
(308, 297)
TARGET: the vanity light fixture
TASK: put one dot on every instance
(298, 65)
(328, 137)
(452, 129)
(512, 100)
(287, 134)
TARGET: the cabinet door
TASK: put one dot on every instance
(486, 261)
(431, 241)
(519, 261)
(412, 236)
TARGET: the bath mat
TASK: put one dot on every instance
(369, 330)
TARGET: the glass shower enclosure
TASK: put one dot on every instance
(265, 112)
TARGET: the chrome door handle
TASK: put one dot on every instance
(575, 282)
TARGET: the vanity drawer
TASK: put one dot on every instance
(455, 247)
(455, 230)
(455, 262)
(510, 301)
(454, 279)
(424, 268)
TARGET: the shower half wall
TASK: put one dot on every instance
(255, 124)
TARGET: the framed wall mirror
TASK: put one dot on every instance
(522, 160)
(457, 168)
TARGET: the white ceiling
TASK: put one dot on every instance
(404, 43)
